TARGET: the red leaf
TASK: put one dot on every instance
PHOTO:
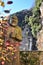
(7, 43)
(2, 62)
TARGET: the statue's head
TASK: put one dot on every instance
(14, 21)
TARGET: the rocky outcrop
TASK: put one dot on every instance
(40, 40)
(40, 34)
(41, 58)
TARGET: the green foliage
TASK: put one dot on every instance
(38, 3)
(34, 20)
(35, 25)
(29, 58)
(37, 7)
(26, 19)
(24, 57)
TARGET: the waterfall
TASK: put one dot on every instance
(30, 48)
(26, 44)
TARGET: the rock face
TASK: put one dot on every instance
(21, 15)
(41, 9)
(40, 40)
(40, 34)
(41, 58)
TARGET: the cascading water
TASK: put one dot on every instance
(26, 44)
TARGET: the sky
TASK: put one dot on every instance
(17, 6)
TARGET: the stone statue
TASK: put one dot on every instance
(14, 35)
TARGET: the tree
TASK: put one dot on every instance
(34, 20)
(35, 25)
